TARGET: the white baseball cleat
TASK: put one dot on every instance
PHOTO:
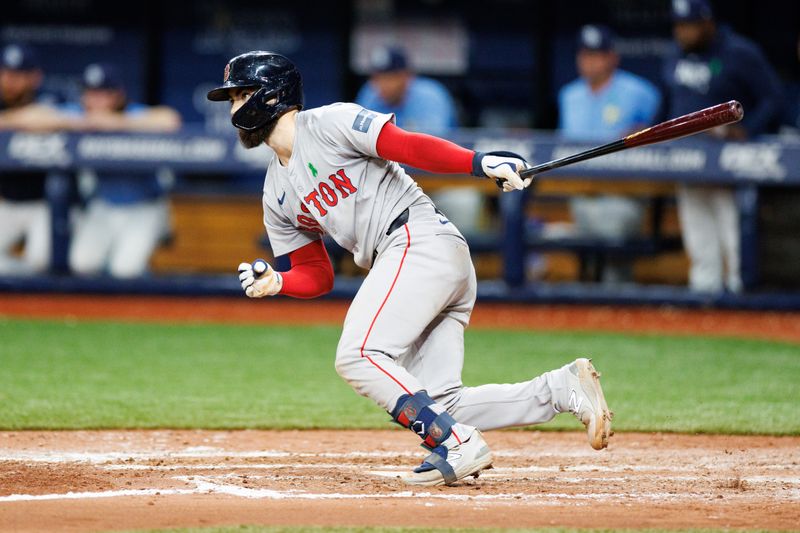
(447, 465)
(585, 400)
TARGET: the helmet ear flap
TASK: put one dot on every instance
(255, 113)
(276, 96)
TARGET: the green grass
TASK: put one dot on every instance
(122, 375)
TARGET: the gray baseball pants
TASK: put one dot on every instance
(404, 331)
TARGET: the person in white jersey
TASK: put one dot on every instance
(337, 170)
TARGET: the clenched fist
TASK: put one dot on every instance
(259, 279)
(503, 167)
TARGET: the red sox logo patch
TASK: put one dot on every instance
(435, 431)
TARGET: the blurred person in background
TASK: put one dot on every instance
(24, 212)
(605, 103)
(711, 64)
(797, 117)
(127, 213)
(420, 104)
(423, 105)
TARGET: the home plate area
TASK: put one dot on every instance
(95, 480)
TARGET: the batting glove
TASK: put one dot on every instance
(503, 168)
(259, 279)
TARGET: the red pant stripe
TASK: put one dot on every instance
(363, 344)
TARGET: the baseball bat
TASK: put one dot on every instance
(683, 126)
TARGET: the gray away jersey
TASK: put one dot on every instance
(336, 183)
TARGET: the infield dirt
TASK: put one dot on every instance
(106, 480)
(120, 480)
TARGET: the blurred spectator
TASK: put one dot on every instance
(422, 105)
(605, 103)
(797, 103)
(24, 213)
(419, 104)
(127, 212)
(710, 65)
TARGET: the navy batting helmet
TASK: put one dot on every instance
(277, 84)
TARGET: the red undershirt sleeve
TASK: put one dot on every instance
(311, 273)
(422, 151)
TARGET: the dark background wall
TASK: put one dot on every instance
(509, 57)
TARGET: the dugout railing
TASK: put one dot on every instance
(749, 167)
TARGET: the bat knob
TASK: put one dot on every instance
(736, 110)
(259, 266)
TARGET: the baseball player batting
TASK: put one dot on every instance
(337, 170)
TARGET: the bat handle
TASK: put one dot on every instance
(605, 149)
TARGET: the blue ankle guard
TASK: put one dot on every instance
(423, 416)
(437, 460)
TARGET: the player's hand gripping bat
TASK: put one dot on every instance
(705, 119)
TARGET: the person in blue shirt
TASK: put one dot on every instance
(422, 105)
(711, 64)
(127, 211)
(605, 103)
(419, 104)
(24, 211)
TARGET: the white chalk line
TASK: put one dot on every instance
(213, 484)
(515, 474)
(48, 456)
(496, 472)
(92, 495)
(503, 473)
(254, 466)
(202, 452)
(208, 485)
(245, 492)
(206, 452)
(218, 485)
(662, 471)
(128, 460)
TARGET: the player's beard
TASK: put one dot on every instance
(257, 137)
